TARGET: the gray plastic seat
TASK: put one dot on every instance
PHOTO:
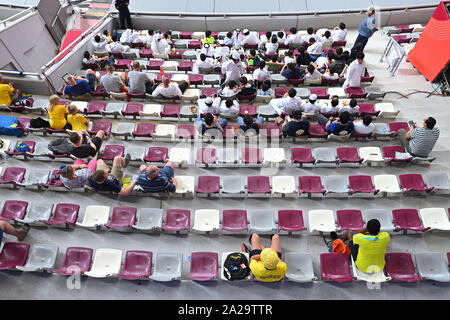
(211, 79)
(167, 267)
(148, 219)
(324, 155)
(262, 221)
(123, 129)
(302, 93)
(266, 111)
(34, 177)
(300, 267)
(233, 186)
(190, 55)
(336, 184)
(137, 153)
(228, 156)
(277, 78)
(181, 43)
(374, 92)
(432, 266)
(382, 215)
(42, 257)
(381, 130)
(37, 212)
(438, 180)
(113, 109)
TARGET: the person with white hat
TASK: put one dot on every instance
(233, 68)
(367, 28)
(249, 38)
(311, 106)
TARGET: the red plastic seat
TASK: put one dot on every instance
(99, 91)
(329, 82)
(13, 175)
(54, 181)
(51, 131)
(301, 155)
(228, 131)
(64, 213)
(317, 131)
(185, 66)
(448, 258)
(178, 55)
(339, 43)
(156, 154)
(204, 266)
(96, 107)
(133, 109)
(208, 92)
(111, 151)
(355, 92)
(389, 154)
(146, 53)
(407, 219)
(320, 92)
(144, 130)
(348, 155)
(13, 209)
(355, 134)
(185, 131)
(280, 92)
(295, 82)
(122, 217)
(413, 182)
(194, 44)
(361, 184)
(245, 97)
(186, 35)
(350, 220)
(117, 55)
(123, 64)
(137, 264)
(24, 124)
(101, 125)
(249, 46)
(291, 220)
(395, 126)
(196, 79)
(251, 155)
(404, 28)
(258, 184)
(206, 156)
(234, 220)
(30, 144)
(367, 109)
(154, 64)
(310, 184)
(170, 110)
(400, 267)
(76, 256)
(271, 131)
(248, 110)
(366, 77)
(14, 254)
(177, 220)
(208, 184)
(335, 267)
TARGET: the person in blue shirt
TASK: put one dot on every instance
(78, 86)
(210, 121)
(151, 179)
(247, 123)
(367, 28)
(341, 126)
(292, 71)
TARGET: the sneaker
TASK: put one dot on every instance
(127, 160)
(245, 248)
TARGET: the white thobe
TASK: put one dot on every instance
(354, 73)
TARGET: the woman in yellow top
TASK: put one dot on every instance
(78, 121)
(57, 113)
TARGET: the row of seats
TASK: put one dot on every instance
(389, 30)
(229, 221)
(205, 266)
(258, 186)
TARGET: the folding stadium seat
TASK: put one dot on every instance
(177, 55)
(437, 180)
(169, 65)
(133, 109)
(156, 154)
(185, 185)
(258, 186)
(284, 186)
(234, 221)
(307, 82)
(248, 110)
(371, 154)
(165, 131)
(204, 266)
(41, 258)
(262, 221)
(387, 183)
(290, 221)
(194, 44)
(361, 184)
(324, 155)
(196, 79)
(106, 126)
(180, 156)
(177, 221)
(228, 132)
(54, 183)
(310, 185)
(390, 154)
(222, 266)
(321, 220)
(206, 221)
(137, 265)
(432, 266)
(12, 176)
(171, 111)
(382, 215)
(274, 156)
(395, 126)
(146, 53)
(348, 155)
(367, 109)
(320, 92)
(355, 93)
(107, 263)
(413, 182)
(251, 156)
(317, 131)
(266, 111)
(336, 186)
(233, 186)
(208, 92)
(381, 130)
(300, 267)
(185, 65)
(208, 186)
(122, 218)
(185, 131)
(113, 109)
(167, 267)
(372, 277)
(34, 178)
(206, 157)
(407, 219)
(124, 64)
(95, 217)
(349, 219)
(386, 110)
(64, 214)
(188, 111)
(335, 267)
(337, 92)
(190, 55)
(280, 92)
(400, 267)
(154, 64)
(13, 210)
(302, 156)
(36, 213)
(13, 255)
(271, 131)
(148, 220)
(123, 129)
(435, 218)
(151, 110)
(76, 259)
(211, 79)
(111, 151)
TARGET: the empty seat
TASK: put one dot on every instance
(435, 218)
(133, 109)
(395, 126)
(208, 185)
(165, 131)
(113, 109)
(14, 254)
(338, 92)
(123, 129)
(283, 185)
(185, 65)
(76, 260)
(390, 154)
(169, 65)
(37, 212)
(321, 220)
(151, 110)
(400, 267)
(156, 154)
(233, 186)
(348, 155)
(324, 155)
(317, 131)
(64, 213)
(356, 92)
(204, 266)
(148, 219)
(437, 180)
(407, 219)
(168, 267)
(336, 185)
(13, 209)
(300, 267)
(12, 175)
(137, 265)
(185, 185)
(361, 184)
(96, 107)
(234, 220)
(107, 263)
(228, 156)
(251, 155)
(206, 156)
(387, 183)
(348, 219)
(185, 131)
(111, 151)
(177, 220)
(180, 155)
(274, 156)
(383, 216)
(258, 185)
(206, 221)
(290, 220)
(310, 185)
(171, 111)
(101, 125)
(301, 156)
(95, 217)
(370, 154)
(432, 266)
(122, 218)
(262, 221)
(413, 182)
(42, 257)
(386, 110)
(335, 267)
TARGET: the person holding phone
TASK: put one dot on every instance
(419, 141)
(84, 146)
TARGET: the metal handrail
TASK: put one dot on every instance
(20, 73)
(16, 15)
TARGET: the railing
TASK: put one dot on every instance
(20, 73)
(14, 17)
(393, 54)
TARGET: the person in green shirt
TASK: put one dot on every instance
(208, 38)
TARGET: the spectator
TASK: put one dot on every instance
(111, 82)
(8, 94)
(274, 65)
(228, 40)
(339, 32)
(220, 51)
(264, 39)
(148, 39)
(367, 28)
(151, 179)
(353, 52)
(209, 105)
(210, 121)
(107, 35)
(230, 89)
(209, 39)
(170, 90)
(100, 62)
(288, 103)
(76, 86)
(250, 38)
(245, 87)
(261, 74)
(364, 126)
(323, 63)
(342, 125)
(84, 146)
(77, 175)
(138, 81)
(57, 113)
(298, 126)
(315, 48)
(291, 72)
(124, 14)
(312, 73)
(290, 57)
(20, 233)
(208, 50)
(332, 108)
(203, 63)
(99, 43)
(311, 106)
(330, 73)
(295, 38)
(326, 37)
(116, 46)
(368, 247)
(281, 37)
(108, 180)
(272, 46)
(420, 141)
(265, 263)
(265, 90)
(303, 58)
(247, 123)
(354, 72)
(253, 59)
(229, 107)
(310, 34)
(76, 120)
(352, 107)
(232, 69)
(159, 46)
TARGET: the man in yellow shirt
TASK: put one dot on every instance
(8, 94)
(265, 263)
(368, 247)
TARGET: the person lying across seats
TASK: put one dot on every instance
(296, 126)
(288, 103)
(210, 121)
(84, 146)
(168, 89)
(152, 179)
(337, 126)
(77, 175)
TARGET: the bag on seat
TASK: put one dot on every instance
(60, 146)
(39, 123)
(236, 266)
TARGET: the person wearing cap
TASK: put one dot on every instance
(202, 62)
(312, 106)
(367, 28)
(297, 126)
(209, 105)
(288, 103)
(354, 72)
(250, 38)
(152, 179)
(233, 68)
(265, 263)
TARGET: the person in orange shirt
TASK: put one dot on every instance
(57, 113)
(78, 121)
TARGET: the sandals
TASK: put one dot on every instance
(23, 229)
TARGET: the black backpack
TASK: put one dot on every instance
(39, 123)
(60, 146)
(236, 266)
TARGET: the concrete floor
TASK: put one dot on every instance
(17, 285)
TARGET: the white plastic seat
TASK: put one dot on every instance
(435, 218)
(387, 183)
(37, 212)
(262, 221)
(148, 219)
(165, 131)
(180, 155)
(206, 220)
(300, 267)
(321, 220)
(114, 108)
(371, 154)
(167, 267)
(302, 93)
(233, 186)
(438, 180)
(95, 216)
(123, 129)
(381, 130)
(198, 35)
(267, 111)
(432, 266)
(228, 156)
(42, 257)
(137, 153)
(384, 216)
(387, 110)
(185, 184)
(312, 82)
(34, 177)
(107, 263)
(336, 185)
(338, 92)
(224, 257)
(417, 27)
(324, 155)
(274, 156)
(5, 147)
(170, 65)
(375, 277)
(151, 110)
(179, 77)
(191, 94)
(211, 79)
(284, 185)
